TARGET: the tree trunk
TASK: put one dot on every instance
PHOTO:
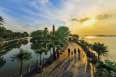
(98, 57)
(21, 67)
(37, 64)
(54, 53)
(40, 65)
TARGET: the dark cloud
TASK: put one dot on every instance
(74, 19)
(99, 17)
(104, 16)
(84, 19)
(81, 20)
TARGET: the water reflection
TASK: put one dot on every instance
(21, 57)
(41, 50)
(11, 58)
(110, 42)
(2, 62)
(8, 46)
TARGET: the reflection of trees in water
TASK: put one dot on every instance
(41, 43)
(24, 41)
(39, 48)
(22, 56)
(2, 61)
(44, 40)
(14, 44)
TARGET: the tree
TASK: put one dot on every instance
(106, 69)
(37, 33)
(62, 35)
(1, 20)
(74, 38)
(39, 49)
(25, 34)
(22, 56)
(100, 48)
(45, 36)
(59, 38)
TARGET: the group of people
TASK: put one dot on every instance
(91, 59)
(74, 52)
(91, 56)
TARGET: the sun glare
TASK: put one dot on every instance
(90, 37)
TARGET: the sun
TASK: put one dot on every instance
(90, 22)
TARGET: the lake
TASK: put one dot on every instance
(11, 67)
(110, 42)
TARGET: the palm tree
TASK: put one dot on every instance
(37, 33)
(100, 48)
(60, 37)
(106, 69)
(62, 34)
(40, 40)
(45, 36)
(39, 48)
(21, 57)
(40, 51)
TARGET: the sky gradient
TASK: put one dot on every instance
(29, 15)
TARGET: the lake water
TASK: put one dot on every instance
(12, 66)
(110, 42)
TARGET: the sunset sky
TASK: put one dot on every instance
(86, 17)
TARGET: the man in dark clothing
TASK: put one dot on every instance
(74, 55)
(78, 53)
(68, 51)
(75, 51)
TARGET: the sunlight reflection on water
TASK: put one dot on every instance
(110, 42)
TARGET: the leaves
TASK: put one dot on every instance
(100, 48)
(106, 69)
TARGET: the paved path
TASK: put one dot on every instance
(67, 66)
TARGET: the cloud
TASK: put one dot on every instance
(104, 16)
(81, 20)
(11, 23)
(39, 12)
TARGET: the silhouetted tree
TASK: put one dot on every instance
(100, 48)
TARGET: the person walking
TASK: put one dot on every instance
(78, 54)
(74, 55)
(68, 51)
(75, 51)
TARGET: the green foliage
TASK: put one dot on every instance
(74, 38)
(41, 50)
(62, 35)
(37, 33)
(100, 48)
(1, 20)
(106, 69)
(43, 40)
(25, 34)
(6, 34)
